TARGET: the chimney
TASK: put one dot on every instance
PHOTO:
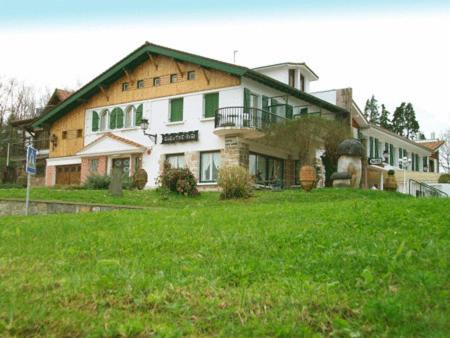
(433, 135)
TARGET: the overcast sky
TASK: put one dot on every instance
(396, 50)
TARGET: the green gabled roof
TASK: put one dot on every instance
(141, 54)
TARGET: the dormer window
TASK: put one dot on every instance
(302, 83)
(292, 77)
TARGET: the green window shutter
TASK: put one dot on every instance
(371, 146)
(247, 94)
(265, 103)
(377, 150)
(391, 154)
(211, 104)
(119, 118)
(95, 121)
(289, 111)
(273, 106)
(176, 110)
(138, 116)
(112, 119)
(413, 162)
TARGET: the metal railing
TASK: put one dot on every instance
(241, 117)
(420, 189)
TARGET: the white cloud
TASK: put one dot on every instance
(397, 58)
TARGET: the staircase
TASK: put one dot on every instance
(420, 189)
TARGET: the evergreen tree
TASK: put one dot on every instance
(384, 118)
(367, 110)
(398, 120)
(411, 123)
(371, 110)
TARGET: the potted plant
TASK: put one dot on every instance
(390, 183)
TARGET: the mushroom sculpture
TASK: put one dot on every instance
(349, 169)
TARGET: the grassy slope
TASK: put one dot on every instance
(286, 264)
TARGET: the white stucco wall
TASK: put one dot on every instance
(157, 113)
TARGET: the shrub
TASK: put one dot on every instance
(391, 172)
(11, 186)
(179, 180)
(97, 182)
(235, 182)
(444, 178)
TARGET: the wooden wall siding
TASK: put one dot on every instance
(146, 71)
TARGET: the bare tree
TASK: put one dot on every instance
(444, 151)
(17, 100)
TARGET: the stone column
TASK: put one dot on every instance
(235, 153)
(50, 175)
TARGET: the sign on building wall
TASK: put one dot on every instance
(375, 161)
(184, 136)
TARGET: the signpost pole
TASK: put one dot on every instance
(30, 169)
(27, 200)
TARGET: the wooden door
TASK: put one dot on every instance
(68, 174)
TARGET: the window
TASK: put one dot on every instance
(156, 81)
(191, 75)
(266, 169)
(176, 161)
(116, 118)
(138, 115)
(93, 165)
(302, 83)
(391, 154)
(173, 78)
(176, 110)
(103, 116)
(79, 133)
(64, 134)
(95, 121)
(211, 104)
(209, 166)
(137, 163)
(140, 84)
(129, 112)
(292, 77)
(125, 86)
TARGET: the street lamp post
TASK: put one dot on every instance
(144, 127)
(404, 162)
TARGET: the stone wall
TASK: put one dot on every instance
(15, 207)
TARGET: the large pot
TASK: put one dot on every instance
(390, 183)
(307, 177)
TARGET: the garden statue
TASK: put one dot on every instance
(350, 152)
(140, 179)
(115, 187)
(341, 180)
(390, 183)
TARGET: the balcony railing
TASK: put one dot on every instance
(240, 117)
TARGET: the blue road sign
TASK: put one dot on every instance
(31, 160)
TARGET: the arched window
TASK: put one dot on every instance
(129, 115)
(95, 121)
(138, 115)
(103, 119)
(116, 118)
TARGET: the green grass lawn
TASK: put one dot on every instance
(333, 262)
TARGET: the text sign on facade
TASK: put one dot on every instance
(185, 136)
(30, 167)
(375, 161)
